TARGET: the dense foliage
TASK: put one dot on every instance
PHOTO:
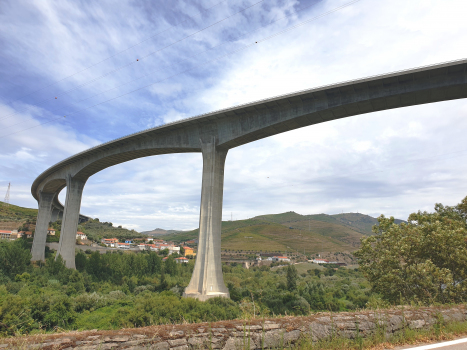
(422, 261)
(115, 290)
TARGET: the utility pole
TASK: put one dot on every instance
(7, 197)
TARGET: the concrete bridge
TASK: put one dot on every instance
(213, 134)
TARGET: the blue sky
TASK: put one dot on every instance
(75, 74)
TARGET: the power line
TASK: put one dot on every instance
(196, 66)
(112, 56)
(147, 74)
(137, 60)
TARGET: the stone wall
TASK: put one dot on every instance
(244, 334)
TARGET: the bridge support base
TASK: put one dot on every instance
(207, 280)
(42, 224)
(66, 245)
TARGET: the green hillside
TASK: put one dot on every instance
(261, 235)
(325, 225)
(290, 230)
(16, 213)
(97, 230)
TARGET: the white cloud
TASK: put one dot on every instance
(392, 162)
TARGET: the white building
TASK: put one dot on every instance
(280, 258)
(81, 235)
(320, 261)
(11, 235)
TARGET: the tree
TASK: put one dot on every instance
(292, 276)
(14, 257)
(182, 251)
(423, 260)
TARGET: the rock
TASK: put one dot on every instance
(140, 336)
(395, 323)
(183, 347)
(93, 337)
(120, 339)
(320, 331)
(270, 326)
(177, 342)
(218, 330)
(416, 324)
(247, 328)
(108, 346)
(238, 343)
(176, 333)
(159, 346)
(198, 342)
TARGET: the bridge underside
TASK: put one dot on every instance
(213, 135)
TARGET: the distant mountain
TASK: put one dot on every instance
(159, 232)
(359, 222)
(290, 230)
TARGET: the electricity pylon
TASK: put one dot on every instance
(6, 201)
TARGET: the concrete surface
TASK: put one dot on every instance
(207, 280)
(66, 245)
(233, 127)
(42, 225)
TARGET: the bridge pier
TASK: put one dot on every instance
(42, 224)
(207, 280)
(66, 245)
(55, 214)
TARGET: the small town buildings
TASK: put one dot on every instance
(123, 246)
(189, 251)
(26, 234)
(174, 249)
(51, 231)
(280, 258)
(149, 239)
(81, 236)
(10, 235)
(320, 261)
(129, 241)
(110, 242)
(181, 260)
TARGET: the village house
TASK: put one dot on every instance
(10, 235)
(280, 258)
(189, 251)
(123, 246)
(26, 234)
(81, 236)
(110, 242)
(181, 260)
(51, 231)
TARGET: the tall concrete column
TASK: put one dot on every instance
(55, 213)
(66, 245)
(207, 280)
(42, 224)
